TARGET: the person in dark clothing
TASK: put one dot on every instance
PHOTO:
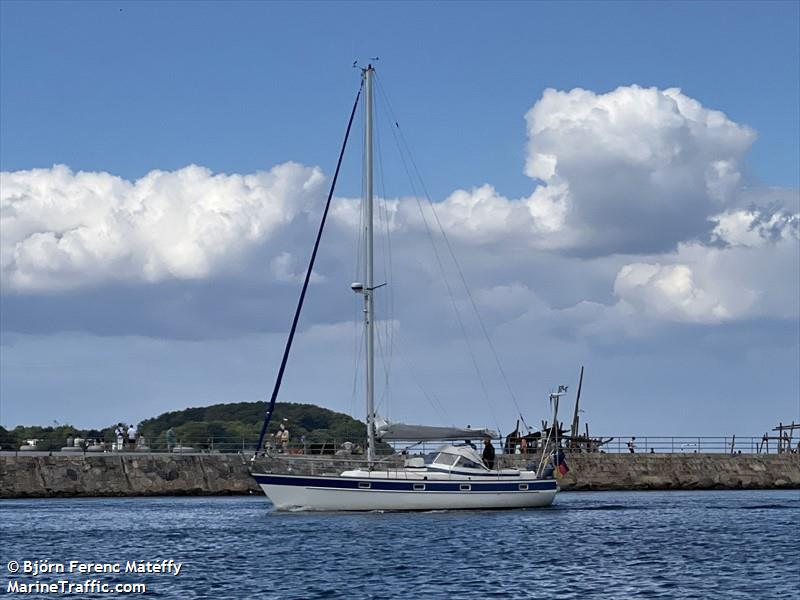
(488, 452)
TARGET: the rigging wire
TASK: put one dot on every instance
(435, 249)
(358, 331)
(388, 258)
(411, 366)
(384, 329)
(385, 391)
(357, 354)
(293, 330)
(481, 322)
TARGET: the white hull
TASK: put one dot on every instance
(328, 494)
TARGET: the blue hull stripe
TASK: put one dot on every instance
(547, 485)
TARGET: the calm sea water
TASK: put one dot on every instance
(588, 545)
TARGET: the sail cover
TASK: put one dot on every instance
(400, 432)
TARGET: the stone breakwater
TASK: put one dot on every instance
(681, 472)
(60, 475)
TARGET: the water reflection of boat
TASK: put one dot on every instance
(455, 477)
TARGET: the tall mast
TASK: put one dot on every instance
(369, 308)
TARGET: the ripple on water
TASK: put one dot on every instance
(589, 545)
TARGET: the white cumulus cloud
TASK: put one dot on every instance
(635, 169)
(668, 291)
(64, 230)
(286, 269)
(754, 273)
(640, 194)
(754, 227)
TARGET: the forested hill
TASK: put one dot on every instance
(218, 425)
(242, 421)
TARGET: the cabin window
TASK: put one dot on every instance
(419, 487)
(465, 487)
(364, 485)
(471, 464)
(446, 459)
(523, 487)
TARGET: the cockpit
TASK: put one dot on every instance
(457, 457)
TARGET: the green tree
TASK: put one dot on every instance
(229, 426)
(8, 440)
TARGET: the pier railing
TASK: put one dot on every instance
(653, 445)
(688, 445)
(628, 444)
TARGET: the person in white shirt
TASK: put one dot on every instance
(132, 437)
(283, 438)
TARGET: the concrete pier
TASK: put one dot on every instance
(65, 475)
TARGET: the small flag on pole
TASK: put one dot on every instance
(561, 462)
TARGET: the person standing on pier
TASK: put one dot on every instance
(283, 438)
(132, 437)
(119, 434)
(170, 436)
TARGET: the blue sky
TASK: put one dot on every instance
(687, 284)
(129, 87)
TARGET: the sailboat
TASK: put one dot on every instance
(454, 477)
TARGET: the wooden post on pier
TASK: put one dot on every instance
(575, 420)
(785, 436)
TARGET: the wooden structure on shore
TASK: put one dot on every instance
(783, 439)
(572, 439)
